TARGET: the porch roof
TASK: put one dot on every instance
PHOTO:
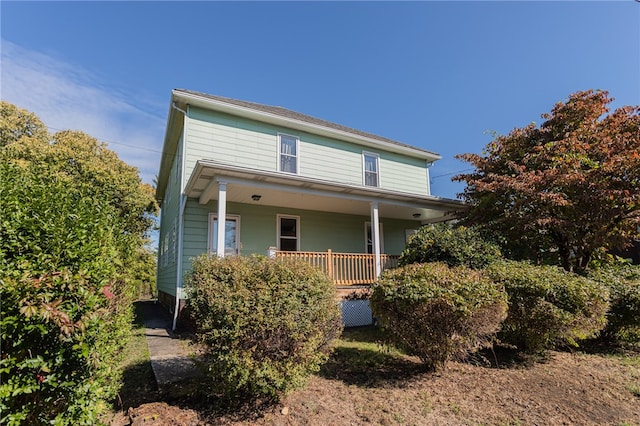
(299, 192)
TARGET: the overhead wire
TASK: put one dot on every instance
(113, 142)
(452, 173)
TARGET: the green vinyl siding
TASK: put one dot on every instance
(246, 143)
(319, 231)
(330, 159)
(230, 140)
(403, 174)
(167, 272)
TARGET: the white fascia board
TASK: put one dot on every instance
(294, 183)
(169, 146)
(214, 104)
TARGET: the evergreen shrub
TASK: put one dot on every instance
(73, 223)
(66, 303)
(266, 324)
(623, 316)
(548, 306)
(436, 312)
(452, 245)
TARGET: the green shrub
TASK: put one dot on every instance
(451, 245)
(73, 219)
(548, 306)
(267, 324)
(623, 317)
(436, 312)
(65, 301)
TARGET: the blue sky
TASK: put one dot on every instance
(438, 75)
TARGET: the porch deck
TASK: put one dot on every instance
(345, 269)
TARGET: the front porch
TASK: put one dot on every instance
(351, 273)
(345, 269)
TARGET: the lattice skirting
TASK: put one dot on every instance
(356, 313)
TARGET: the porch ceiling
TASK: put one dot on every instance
(296, 192)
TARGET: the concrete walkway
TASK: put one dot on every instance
(169, 358)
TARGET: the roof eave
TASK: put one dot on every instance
(373, 193)
(182, 99)
(175, 121)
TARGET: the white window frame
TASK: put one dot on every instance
(171, 257)
(367, 225)
(211, 242)
(278, 235)
(168, 191)
(364, 168)
(165, 244)
(280, 153)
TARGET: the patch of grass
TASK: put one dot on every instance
(365, 345)
(139, 383)
(362, 335)
(426, 403)
(455, 408)
(630, 361)
(361, 358)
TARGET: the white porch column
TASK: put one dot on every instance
(222, 217)
(375, 237)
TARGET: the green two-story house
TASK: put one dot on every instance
(285, 184)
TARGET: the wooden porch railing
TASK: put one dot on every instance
(343, 268)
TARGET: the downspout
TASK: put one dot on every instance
(174, 106)
(429, 164)
(183, 204)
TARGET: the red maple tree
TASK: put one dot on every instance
(565, 188)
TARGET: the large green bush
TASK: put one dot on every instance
(623, 317)
(548, 306)
(73, 220)
(267, 324)
(452, 245)
(65, 302)
(436, 312)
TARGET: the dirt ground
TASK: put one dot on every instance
(565, 389)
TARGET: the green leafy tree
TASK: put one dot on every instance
(73, 225)
(16, 124)
(565, 188)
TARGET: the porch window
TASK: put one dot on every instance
(231, 234)
(370, 169)
(368, 238)
(288, 153)
(288, 233)
(172, 243)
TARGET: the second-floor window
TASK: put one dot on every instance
(370, 166)
(288, 153)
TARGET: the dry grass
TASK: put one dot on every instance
(366, 383)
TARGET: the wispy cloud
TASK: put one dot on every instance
(66, 96)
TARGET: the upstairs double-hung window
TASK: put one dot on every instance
(288, 154)
(370, 169)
